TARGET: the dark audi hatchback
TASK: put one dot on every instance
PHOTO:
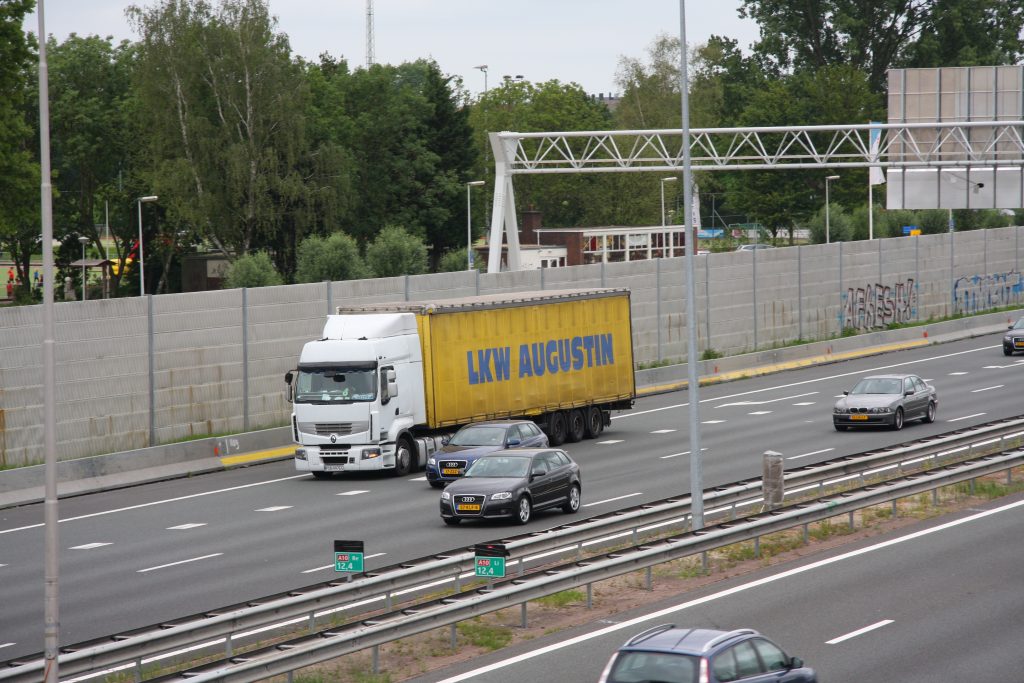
(513, 483)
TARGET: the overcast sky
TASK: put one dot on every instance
(572, 40)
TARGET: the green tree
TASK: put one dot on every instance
(334, 258)
(92, 139)
(396, 252)
(19, 167)
(222, 101)
(252, 270)
(455, 260)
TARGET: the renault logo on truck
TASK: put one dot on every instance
(334, 438)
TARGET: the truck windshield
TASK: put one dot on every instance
(327, 385)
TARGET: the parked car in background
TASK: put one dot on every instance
(888, 400)
(1013, 338)
(513, 483)
(477, 439)
(752, 247)
(669, 654)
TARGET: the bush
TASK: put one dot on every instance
(395, 252)
(335, 257)
(252, 270)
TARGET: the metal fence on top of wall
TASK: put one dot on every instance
(135, 372)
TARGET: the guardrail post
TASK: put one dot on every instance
(704, 561)
(935, 496)
(757, 548)
(590, 596)
(387, 601)
(894, 510)
(1009, 476)
(227, 646)
(851, 521)
(376, 659)
(972, 487)
(650, 580)
(138, 670)
(807, 534)
(458, 581)
(522, 615)
(454, 637)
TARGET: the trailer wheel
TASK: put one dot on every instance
(577, 426)
(404, 457)
(595, 422)
(557, 428)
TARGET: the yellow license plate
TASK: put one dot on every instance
(858, 417)
(449, 471)
(469, 507)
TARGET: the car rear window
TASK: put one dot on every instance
(634, 667)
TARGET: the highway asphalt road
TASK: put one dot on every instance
(138, 556)
(941, 601)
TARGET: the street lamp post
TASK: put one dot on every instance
(483, 67)
(664, 236)
(469, 222)
(142, 261)
(83, 240)
(827, 179)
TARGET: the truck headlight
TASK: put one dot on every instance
(371, 453)
(504, 495)
(300, 453)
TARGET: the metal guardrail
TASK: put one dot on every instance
(330, 643)
(306, 605)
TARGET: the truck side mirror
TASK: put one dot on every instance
(288, 377)
(392, 383)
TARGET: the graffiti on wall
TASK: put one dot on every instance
(878, 305)
(984, 292)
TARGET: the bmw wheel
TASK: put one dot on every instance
(573, 503)
(930, 415)
(897, 420)
(525, 510)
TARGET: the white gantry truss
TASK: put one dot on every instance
(989, 147)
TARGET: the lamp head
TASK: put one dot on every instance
(83, 240)
(832, 177)
(475, 183)
(149, 198)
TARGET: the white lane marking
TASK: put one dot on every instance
(612, 500)
(760, 412)
(273, 508)
(609, 442)
(676, 455)
(423, 478)
(356, 493)
(805, 455)
(88, 546)
(663, 431)
(158, 502)
(712, 422)
(954, 374)
(804, 403)
(637, 413)
(331, 566)
(3, 645)
(761, 403)
(978, 391)
(859, 632)
(182, 527)
(965, 417)
(3, 565)
(174, 564)
(757, 583)
(1003, 367)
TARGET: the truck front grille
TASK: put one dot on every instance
(339, 428)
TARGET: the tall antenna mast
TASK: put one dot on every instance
(369, 33)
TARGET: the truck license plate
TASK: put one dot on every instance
(450, 470)
(469, 507)
(334, 468)
(858, 417)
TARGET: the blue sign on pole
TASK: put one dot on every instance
(911, 230)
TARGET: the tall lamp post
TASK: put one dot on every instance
(469, 222)
(483, 67)
(827, 179)
(664, 236)
(142, 261)
(83, 240)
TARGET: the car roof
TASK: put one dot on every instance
(691, 641)
(495, 423)
(890, 376)
(525, 452)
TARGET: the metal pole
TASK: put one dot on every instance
(707, 300)
(142, 263)
(657, 292)
(83, 241)
(799, 295)
(245, 358)
(469, 222)
(753, 275)
(51, 564)
(692, 386)
(152, 371)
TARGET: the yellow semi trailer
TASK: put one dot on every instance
(387, 383)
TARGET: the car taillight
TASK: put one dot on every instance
(703, 677)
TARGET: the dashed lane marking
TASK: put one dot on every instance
(978, 391)
(182, 527)
(609, 442)
(663, 431)
(760, 412)
(807, 455)
(676, 455)
(88, 546)
(274, 508)
(712, 422)
(859, 632)
(174, 564)
(965, 417)
(612, 500)
(353, 493)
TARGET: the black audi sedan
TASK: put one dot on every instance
(513, 483)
